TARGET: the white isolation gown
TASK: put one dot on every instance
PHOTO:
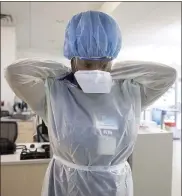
(92, 135)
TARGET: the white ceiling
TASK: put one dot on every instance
(41, 25)
(146, 23)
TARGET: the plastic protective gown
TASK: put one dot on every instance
(92, 135)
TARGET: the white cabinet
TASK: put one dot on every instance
(151, 164)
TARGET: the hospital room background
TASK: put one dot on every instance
(151, 31)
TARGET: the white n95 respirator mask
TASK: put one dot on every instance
(94, 81)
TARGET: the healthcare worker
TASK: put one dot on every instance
(93, 110)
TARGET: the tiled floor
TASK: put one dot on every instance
(176, 190)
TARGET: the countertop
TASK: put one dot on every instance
(15, 158)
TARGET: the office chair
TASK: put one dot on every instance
(8, 136)
(42, 133)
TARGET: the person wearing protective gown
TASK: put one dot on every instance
(92, 109)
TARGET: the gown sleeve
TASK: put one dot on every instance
(26, 78)
(154, 79)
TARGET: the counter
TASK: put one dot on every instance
(22, 177)
(151, 164)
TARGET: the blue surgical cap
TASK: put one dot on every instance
(92, 35)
